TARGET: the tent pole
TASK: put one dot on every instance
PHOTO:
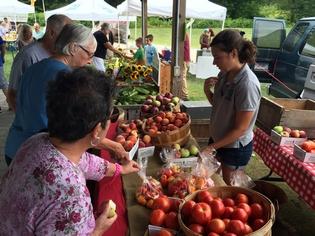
(136, 28)
(223, 24)
(118, 29)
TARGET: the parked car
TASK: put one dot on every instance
(286, 58)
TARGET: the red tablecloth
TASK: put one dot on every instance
(299, 176)
(108, 188)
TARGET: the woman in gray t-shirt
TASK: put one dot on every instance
(235, 101)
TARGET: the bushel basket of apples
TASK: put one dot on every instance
(168, 128)
(226, 211)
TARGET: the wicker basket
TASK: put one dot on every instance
(167, 138)
(230, 191)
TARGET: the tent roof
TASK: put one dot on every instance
(14, 7)
(92, 10)
(198, 9)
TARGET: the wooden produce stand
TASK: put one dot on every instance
(138, 216)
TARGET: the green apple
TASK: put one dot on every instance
(175, 100)
(278, 129)
(184, 152)
(112, 209)
(193, 150)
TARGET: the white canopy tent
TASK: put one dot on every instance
(92, 10)
(197, 9)
(15, 10)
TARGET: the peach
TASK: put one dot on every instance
(141, 144)
(146, 139)
(132, 138)
(128, 145)
(149, 121)
(178, 123)
(161, 114)
(179, 115)
(165, 121)
(152, 132)
(168, 114)
(134, 133)
(158, 119)
(125, 135)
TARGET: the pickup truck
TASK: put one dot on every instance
(284, 60)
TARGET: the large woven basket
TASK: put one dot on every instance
(231, 191)
(167, 138)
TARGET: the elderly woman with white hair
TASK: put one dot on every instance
(75, 48)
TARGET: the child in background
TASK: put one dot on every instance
(149, 49)
(139, 55)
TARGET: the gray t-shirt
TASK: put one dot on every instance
(28, 56)
(243, 94)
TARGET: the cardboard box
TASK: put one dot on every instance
(302, 155)
(285, 141)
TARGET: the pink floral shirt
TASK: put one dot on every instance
(44, 193)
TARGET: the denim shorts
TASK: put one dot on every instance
(235, 158)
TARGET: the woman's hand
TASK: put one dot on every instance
(103, 223)
(129, 167)
(209, 83)
(120, 152)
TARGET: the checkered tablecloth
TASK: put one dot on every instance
(299, 176)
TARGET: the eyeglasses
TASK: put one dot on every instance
(90, 55)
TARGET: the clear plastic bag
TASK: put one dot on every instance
(202, 172)
(150, 188)
(240, 179)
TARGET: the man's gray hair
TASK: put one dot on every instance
(57, 22)
(105, 26)
(73, 33)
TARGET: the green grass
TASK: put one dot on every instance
(163, 36)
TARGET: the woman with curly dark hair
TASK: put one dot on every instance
(44, 190)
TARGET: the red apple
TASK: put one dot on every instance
(120, 139)
(241, 198)
(302, 134)
(196, 228)
(257, 211)
(217, 208)
(239, 214)
(157, 217)
(236, 226)
(171, 221)
(257, 224)
(228, 212)
(228, 202)
(202, 195)
(246, 207)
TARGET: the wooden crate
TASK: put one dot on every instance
(165, 77)
(293, 113)
(200, 130)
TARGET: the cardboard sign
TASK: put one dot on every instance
(185, 162)
(133, 150)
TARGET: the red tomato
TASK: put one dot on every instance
(175, 204)
(217, 208)
(247, 229)
(236, 226)
(239, 214)
(246, 207)
(197, 228)
(213, 234)
(241, 198)
(229, 234)
(168, 172)
(157, 217)
(257, 224)
(187, 208)
(226, 222)
(164, 181)
(228, 202)
(201, 213)
(171, 221)
(202, 195)
(208, 199)
(164, 232)
(162, 203)
(216, 226)
(257, 211)
(228, 212)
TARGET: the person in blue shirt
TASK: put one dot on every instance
(3, 82)
(75, 47)
(149, 49)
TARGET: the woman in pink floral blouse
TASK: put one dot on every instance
(44, 190)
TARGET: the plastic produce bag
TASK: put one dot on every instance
(150, 188)
(240, 179)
